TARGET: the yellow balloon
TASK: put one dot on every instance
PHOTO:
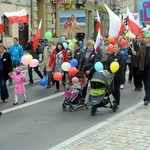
(114, 67)
(30, 58)
(127, 34)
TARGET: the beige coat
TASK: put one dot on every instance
(46, 57)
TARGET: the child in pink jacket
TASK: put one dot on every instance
(19, 88)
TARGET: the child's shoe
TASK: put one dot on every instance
(25, 100)
(15, 103)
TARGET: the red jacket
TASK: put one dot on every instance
(53, 58)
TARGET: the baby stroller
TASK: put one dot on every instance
(102, 86)
(77, 100)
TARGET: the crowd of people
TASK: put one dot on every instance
(135, 55)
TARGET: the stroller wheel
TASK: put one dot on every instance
(93, 110)
(86, 105)
(63, 107)
(114, 107)
(71, 108)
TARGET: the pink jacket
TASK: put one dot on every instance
(19, 87)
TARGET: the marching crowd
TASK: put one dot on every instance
(135, 55)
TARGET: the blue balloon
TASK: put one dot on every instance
(62, 39)
(98, 66)
(65, 45)
(73, 63)
(101, 44)
(43, 81)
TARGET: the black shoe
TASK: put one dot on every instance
(30, 83)
(53, 83)
(57, 90)
(136, 89)
(10, 84)
(145, 103)
(0, 113)
(140, 89)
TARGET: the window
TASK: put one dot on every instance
(6, 25)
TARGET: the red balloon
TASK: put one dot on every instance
(123, 42)
(111, 38)
(72, 71)
(110, 48)
(57, 76)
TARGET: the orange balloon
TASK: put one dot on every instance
(111, 38)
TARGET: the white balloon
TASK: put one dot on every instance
(65, 66)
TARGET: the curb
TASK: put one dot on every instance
(109, 121)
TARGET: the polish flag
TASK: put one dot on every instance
(116, 25)
(98, 40)
(132, 24)
(98, 24)
(17, 17)
(37, 36)
(1, 25)
(148, 26)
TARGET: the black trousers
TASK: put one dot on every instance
(36, 69)
(116, 93)
(137, 77)
(146, 80)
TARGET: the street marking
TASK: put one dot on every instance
(32, 103)
(64, 144)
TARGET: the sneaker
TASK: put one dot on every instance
(25, 100)
(145, 103)
(122, 86)
(140, 89)
(136, 89)
(6, 100)
(15, 103)
(48, 86)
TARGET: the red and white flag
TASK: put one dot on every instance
(37, 36)
(17, 17)
(148, 26)
(99, 35)
(132, 24)
(98, 24)
(116, 25)
(1, 25)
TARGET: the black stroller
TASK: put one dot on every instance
(77, 100)
(102, 86)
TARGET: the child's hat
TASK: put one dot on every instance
(75, 79)
(18, 69)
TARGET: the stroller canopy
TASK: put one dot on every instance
(104, 77)
(82, 78)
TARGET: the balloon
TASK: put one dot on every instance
(30, 58)
(114, 66)
(43, 81)
(111, 38)
(34, 63)
(98, 66)
(57, 76)
(69, 41)
(71, 46)
(25, 59)
(65, 66)
(62, 39)
(127, 34)
(48, 36)
(65, 45)
(73, 63)
(123, 42)
(101, 44)
(145, 33)
(110, 48)
(72, 71)
(74, 40)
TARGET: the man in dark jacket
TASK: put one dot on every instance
(135, 63)
(5, 70)
(118, 57)
(35, 55)
(78, 55)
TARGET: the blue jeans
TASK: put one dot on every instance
(14, 65)
(4, 90)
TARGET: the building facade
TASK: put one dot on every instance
(14, 30)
